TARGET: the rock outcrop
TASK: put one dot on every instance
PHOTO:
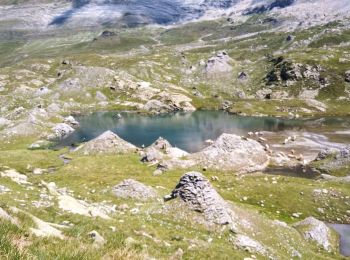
(218, 64)
(135, 190)
(231, 152)
(108, 142)
(315, 230)
(197, 192)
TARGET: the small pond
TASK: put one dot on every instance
(189, 131)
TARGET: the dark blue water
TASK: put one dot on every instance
(188, 131)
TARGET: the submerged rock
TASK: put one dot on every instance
(108, 142)
(133, 189)
(231, 152)
(197, 192)
(315, 230)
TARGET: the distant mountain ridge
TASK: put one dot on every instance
(130, 13)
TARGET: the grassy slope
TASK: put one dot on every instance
(100, 173)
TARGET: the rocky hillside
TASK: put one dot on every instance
(108, 199)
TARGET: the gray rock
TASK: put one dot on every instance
(161, 144)
(97, 238)
(218, 64)
(315, 230)
(70, 120)
(347, 76)
(231, 152)
(152, 155)
(248, 244)
(226, 105)
(108, 142)
(135, 190)
(42, 91)
(156, 106)
(61, 131)
(323, 154)
(197, 192)
(70, 84)
(100, 96)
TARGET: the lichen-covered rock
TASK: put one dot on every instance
(231, 152)
(315, 230)
(197, 192)
(108, 142)
(135, 190)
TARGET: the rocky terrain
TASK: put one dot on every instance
(109, 199)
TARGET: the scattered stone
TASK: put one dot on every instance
(133, 189)
(5, 216)
(70, 204)
(248, 244)
(100, 96)
(40, 144)
(98, 239)
(38, 171)
(15, 176)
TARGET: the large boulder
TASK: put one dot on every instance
(232, 152)
(315, 230)
(135, 190)
(108, 142)
(61, 131)
(197, 192)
